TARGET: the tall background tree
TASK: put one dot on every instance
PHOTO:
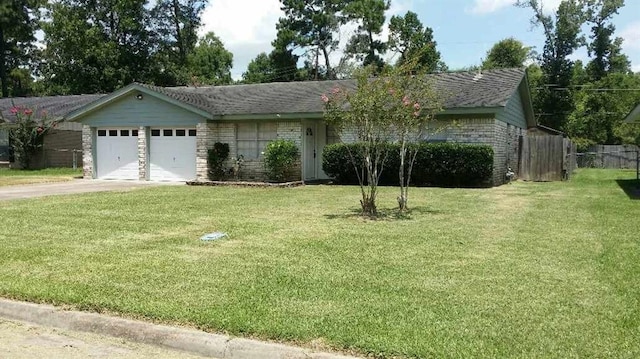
(553, 102)
(281, 65)
(414, 43)
(587, 101)
(209, 63)
(18, 23)
(364, 44)
(95, 46)
(313, 25)
(605, 50)
(607, 88)
(175, 24)
(507, 53)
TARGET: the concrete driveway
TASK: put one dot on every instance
(73, 187)
(22, 340)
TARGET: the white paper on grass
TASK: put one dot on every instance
(213, 236)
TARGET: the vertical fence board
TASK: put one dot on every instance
(609, 156)
(546, 158)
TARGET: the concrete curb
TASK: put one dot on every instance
(192, 341)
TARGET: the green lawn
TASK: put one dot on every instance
(526, 270)
(10, 177)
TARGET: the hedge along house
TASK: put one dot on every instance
(144, 132)
(60, 143)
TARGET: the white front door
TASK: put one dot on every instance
(309, 130)
(117, 153)
(172, 154)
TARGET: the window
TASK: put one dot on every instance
(113, 133)
(134, 133)
(192, 133)
(332, 135)
(181, 133)
(155, 133)
(252, 138)
(124, 133)
(167, 133)
(102, 133)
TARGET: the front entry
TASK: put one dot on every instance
(309, 131)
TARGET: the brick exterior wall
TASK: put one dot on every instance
(225, 132)
(503, 137)
(87, 152)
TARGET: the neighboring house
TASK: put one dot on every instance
(144, 132)
(59, 144)
(4, 145)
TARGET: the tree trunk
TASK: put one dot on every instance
(402, 200)
(327, 63)
(182, 51)
(368, 201)
(3, 65)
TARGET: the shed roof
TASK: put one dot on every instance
(634, 115)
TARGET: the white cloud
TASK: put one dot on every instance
(631, 44)
(631, 36)
(482, 7)
(246, 27)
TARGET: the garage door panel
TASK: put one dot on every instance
(117, 154)
(172, 154)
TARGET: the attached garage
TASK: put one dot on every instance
(172, 154)
(117, 153)
(138, 133)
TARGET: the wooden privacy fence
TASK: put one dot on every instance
(546, 158)
(610, 156)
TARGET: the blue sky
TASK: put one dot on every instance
(463, 29)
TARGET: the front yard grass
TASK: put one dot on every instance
(526, 270)
(10, 177)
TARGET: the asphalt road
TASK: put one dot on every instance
(25, 341)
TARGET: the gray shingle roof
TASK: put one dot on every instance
(54, 106)
(460, 90)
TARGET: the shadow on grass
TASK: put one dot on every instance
(631, 187)
(385, 214)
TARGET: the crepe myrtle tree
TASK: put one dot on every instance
(395, 106)
(27, 133)
(413, 104)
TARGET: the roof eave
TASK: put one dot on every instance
(270, 116)
(85, 110)
(471, 110)
(527, 102)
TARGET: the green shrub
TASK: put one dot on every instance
(437, 164)
(218, 155)
(280, 156)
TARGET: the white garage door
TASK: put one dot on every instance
(172, 154)
(117, 154)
